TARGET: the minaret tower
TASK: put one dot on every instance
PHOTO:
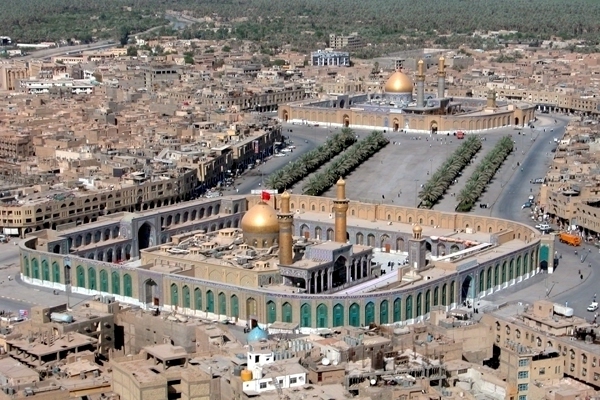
(420, 84)
(286, 219)
(441, 78)
(491, 99)
(417, 249)
(340, 207)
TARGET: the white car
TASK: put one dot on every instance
(280, 155)
(593, 307)
(543, 227)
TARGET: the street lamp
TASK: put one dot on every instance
(416, 191)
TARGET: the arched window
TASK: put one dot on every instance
(305, 316)
(103, 281)
(127, 286)
(444, 298)
(55, 272)
(174, 295)
(210, 301)
(338, 315)
(235, 306)
(80, 271)
(92, 279)
(45, 271)
(409, 310)
(286, 312)
(35, 269)
(369, 313)
(496, 275)
(271, 312)
(116, 283)
(222, 304)
(383, 312)
(197, 299)
(322, 316)
(26, 270)
(482, 281)
(185, 291)
(398, 310)
(354, 315)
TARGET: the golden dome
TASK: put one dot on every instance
(261, 218)
(285, 195)
(398, 82)
(341, 181)
(417, 229)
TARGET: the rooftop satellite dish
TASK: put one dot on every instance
(325, 361)
(373, 382)
(334, 363)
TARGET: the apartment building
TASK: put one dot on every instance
(39, 207)
(15, 147)
(11, 74)
(570, 194)
(321, 58)
(540, 342)
(162, 371)
(266, 99)
(350, 42)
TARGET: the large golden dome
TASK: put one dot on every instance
(398, 82)
(261, 218)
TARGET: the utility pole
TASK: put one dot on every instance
(416, 192)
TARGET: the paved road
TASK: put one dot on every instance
(57, 51)
(573, 282)
(535, 165)
(255, 178)
(174, 21)
(16, 295)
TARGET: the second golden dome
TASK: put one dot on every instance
(398, 82)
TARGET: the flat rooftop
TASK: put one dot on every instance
(39, 348)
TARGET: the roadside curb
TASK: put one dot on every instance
(581, 282)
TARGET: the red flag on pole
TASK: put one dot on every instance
(265, 196)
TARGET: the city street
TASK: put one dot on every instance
(565, 285)
(255, 178)
(14, 294)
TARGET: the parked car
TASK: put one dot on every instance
(593, 306)
(544, 227)
(527, 204)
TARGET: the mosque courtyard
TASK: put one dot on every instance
(395, 173)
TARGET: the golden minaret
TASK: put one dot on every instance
(340, 207)
(286, 219)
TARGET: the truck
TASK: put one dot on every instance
(570, 239)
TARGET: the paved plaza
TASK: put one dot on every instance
(394, 175)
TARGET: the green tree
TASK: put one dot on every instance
(132, 51)
(188, 57)
(124, 32)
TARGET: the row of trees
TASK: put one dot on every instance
(345, 163)
(297, 170)
(441, 179)
(483, 174)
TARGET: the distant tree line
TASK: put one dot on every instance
(304, 24)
